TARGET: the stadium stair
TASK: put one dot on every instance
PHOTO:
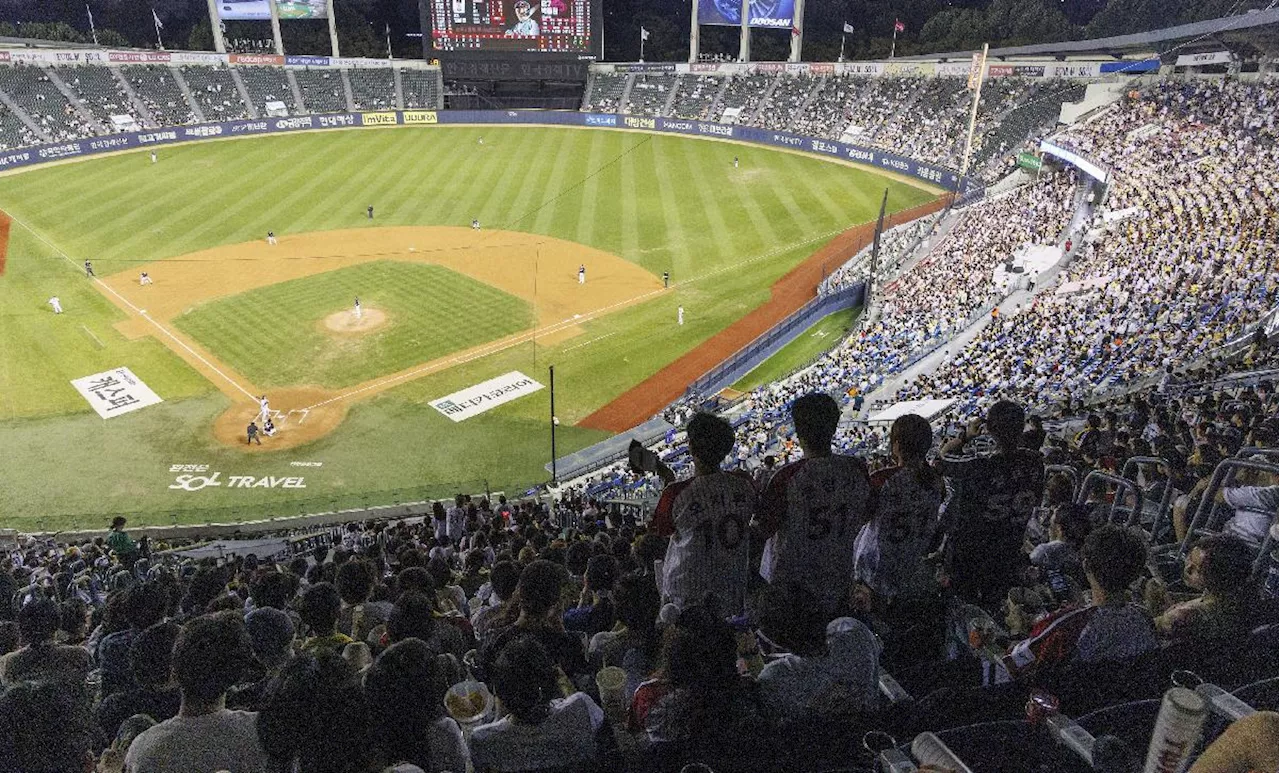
(244, 94)
(764, 100)
(147, 118)
(22, 116)
(586, 95)
(713, 114)
(626, 92)
(74, 99)
(299, 103)
(395, 75)
(186, 92)
(671, 99)
(818, 85)
(346, 91)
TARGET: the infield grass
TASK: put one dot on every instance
(665, 203)
(275, 335)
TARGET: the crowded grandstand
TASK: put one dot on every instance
(1024, 507)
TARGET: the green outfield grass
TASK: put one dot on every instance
(665, 203)
(274, 336)
(824, 334)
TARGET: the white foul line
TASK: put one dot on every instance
(140, 312)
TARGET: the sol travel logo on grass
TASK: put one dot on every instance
(197, 477)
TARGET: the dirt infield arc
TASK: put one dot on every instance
(786, 296)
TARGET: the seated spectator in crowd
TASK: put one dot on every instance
(319, 610)
(450, 598)
(144, 606)
(595, 611)
(315, 718)
(1069, 525)
(45, 728)
(540, 616)
(112, 760)
(889, 554)
(40, 658)
(828, 669)
(271, 635)
(1219, 566)
(208, 658)
(707, 517)
(359, 616)
(1248, 744)
(542, 729)
(1110, 628)
(813, 508)
(991, 502)
(151, 660)
(634, 642)
(496, 602)
(403, 690)
(414, 617)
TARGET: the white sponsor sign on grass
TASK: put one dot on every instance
(475, 400)
(115, 392)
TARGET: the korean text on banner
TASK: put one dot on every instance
(115, 392)
(475, 400)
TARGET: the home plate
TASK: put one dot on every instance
(577, 316)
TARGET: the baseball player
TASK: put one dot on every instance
(359, 313)
(480, 141)
(264, 409)
(251, 433)
(271, 237)
(145, 279)
(153, 156)
(679, 315)
(56, 304)
(370, 211)
(269, 428)
(666, 279)
(88, 270)
(582, 273)
(475, 225)
(735, 162)
(526, 26)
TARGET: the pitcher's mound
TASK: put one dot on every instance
(347, 323)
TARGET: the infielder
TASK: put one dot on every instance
(145, 279)
(370, 211)
(56, 304)
(264, 409)
(582, 273)
(679, 315)
(359, 313)
(271, 237)
(666, 279)
(475, 225)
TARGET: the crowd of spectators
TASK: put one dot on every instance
(37, 95)
(157, 87)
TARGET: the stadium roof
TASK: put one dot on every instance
(1119, 44)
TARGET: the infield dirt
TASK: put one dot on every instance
(539, 269)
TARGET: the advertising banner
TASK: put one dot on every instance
(1199, 60)
(1030, 161)
(387, 118)
(139, 56)
(999, 70)
(1144, 65)
(302, 9)
(307, 61)
(197, 58)
(268, 59)
(1029, 70)
(1078, 70)
(420, 116)
(646, 67)
(475, 400)
(951, 69)
(115, 392)
(244, 10)
(775, 14)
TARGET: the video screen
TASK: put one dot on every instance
(514, 26)
(776, 14)
(259, 10)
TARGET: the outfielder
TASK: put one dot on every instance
(153, 156)
(56, 304)
(88, 270)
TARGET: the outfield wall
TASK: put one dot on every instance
(931, 174)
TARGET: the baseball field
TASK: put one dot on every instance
(445, 306)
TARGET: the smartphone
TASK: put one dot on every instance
(640, 458)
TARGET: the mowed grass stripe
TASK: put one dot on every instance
(274, 335)
(706, 190)
(678, 236)
(534, 190)
(584, 226)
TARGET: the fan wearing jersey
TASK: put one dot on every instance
(889, 555)
(812, 509)
(992, 499)
(706, 517)
(456, 520)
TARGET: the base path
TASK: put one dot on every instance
(539, 269)
(793, 290)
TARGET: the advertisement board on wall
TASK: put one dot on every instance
(302, 9)
(771, 14)
(244, 10)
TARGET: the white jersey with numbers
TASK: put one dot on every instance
(707, 519)
(811, 513)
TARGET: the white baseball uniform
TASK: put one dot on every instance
(56, 304)
(359, 313)
(680, 315)
(264, 409)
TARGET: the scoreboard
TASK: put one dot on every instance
(542, 29)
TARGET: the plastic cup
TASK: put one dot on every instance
(612, 683)
(458, 702)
